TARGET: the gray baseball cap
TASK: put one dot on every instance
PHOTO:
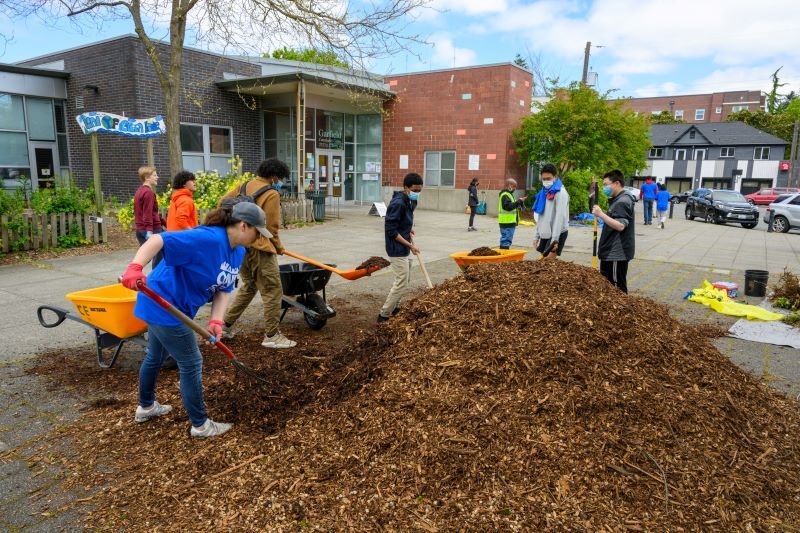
(251, 214)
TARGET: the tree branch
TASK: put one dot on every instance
(94, 5)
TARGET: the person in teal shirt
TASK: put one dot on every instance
(198, 266)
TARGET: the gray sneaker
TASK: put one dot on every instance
(228, 333)
(210, 429)
(278, 340)
(143, 415)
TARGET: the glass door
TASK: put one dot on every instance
(330, 172)
(45, 163)
(337, 174)
(323, 171)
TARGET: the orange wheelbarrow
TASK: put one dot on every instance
(463, 259)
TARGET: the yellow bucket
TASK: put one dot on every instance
(463, 259)
(109, 308)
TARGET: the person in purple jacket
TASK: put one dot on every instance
(648, 195)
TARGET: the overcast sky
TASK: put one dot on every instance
(646, 48)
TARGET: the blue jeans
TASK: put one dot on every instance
(181, 343)
(648, 211)
(506, 236)
(141, 236)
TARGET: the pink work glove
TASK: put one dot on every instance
(133, 275)
(215, 328)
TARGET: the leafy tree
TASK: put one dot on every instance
(310, 55)
(665, 117)
(773, 97)
(580, 129)
(778, 124)
(521, 61)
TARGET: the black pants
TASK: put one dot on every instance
(141, 237)
(472, 210)
(545, 243)
(616, 272)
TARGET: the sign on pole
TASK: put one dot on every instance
(100, 122)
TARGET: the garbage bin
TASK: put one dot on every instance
(318, 202)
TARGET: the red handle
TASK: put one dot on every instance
(171, 309)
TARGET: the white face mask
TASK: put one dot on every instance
(548, 183)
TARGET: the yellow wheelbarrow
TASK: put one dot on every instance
(108, 311)
(463, 259)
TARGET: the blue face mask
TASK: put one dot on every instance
(413, 196)
(277, 185)
(607, 190)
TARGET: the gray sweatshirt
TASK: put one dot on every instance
(555, 219)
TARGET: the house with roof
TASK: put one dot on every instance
(722, 155)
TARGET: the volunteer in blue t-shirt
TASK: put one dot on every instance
(198, 265)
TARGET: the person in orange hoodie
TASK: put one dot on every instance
(182, 211)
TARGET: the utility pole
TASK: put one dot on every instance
(586, 63)
(794, 172)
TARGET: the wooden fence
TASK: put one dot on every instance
(35, 232)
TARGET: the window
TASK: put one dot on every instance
(440, 169)
(761, 152)
(796, 201)
(680, 154)
(655, 112)
(41, 120)
(700, 153)
(699, 114)
(718, 110)
(206, 148)
(679, 114)
(12, 116)
(692, 134)
(727, 151)
(656, 153)
(740, 108)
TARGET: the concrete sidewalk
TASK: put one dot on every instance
(356, 236)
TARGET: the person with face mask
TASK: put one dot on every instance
(260, 272)
(508, 213)
(552, 207)
(617, 241)
(399, 233)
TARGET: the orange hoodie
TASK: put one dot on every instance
(182, 212)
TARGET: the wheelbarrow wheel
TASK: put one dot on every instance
(315, 323)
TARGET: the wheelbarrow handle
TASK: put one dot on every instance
(174, 311)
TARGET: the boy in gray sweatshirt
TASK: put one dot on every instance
(552, 207)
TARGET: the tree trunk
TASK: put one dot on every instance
(172, 119)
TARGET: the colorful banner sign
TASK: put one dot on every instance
(94, 122)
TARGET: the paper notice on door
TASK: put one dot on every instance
(45, 172)
(474, 162)
(403, 162)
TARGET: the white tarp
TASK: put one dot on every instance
(774, 332)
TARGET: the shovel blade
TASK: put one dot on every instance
(353, 275)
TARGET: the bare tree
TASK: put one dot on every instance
(358, 32)
(544, 77)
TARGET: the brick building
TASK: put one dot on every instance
(454, 125)
(350, 134)
(700, 108)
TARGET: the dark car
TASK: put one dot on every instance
(681, 197)
(717, 206)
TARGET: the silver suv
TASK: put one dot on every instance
(787, 213)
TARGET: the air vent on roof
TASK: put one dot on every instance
(79, 102)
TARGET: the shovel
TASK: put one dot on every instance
(350, 275)
(200, 330)
(424, 270)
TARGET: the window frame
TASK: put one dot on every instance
(426, 169)
(701, 112)
(679, 114)
(740, 107)
(761, 148)
(718, 110)
(659, 153)
(731, 153)
(678, 151)
(206, 154)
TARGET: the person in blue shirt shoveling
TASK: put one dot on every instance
(552, 207)
(508, 213)
(198, 264)
(399, 233)
(648, 194)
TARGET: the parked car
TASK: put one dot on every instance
(787, 213)
(632, 191)
(718, 206)
(768, 196)
(680, 197)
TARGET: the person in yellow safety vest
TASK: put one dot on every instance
(508, 213)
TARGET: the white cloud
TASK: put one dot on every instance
(738, 78)
(650, 37)
(657, 89)
(471, 7)
(447, 55)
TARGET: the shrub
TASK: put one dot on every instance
(63, 199)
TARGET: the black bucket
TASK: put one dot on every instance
(755, 283)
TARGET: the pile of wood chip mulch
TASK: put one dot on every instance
(519, 396)
(483, 251)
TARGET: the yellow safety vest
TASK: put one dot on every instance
(507, 217)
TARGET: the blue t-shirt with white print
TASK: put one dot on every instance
(197, 263)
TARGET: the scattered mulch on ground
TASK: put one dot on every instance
(571, 406)
(372, 262)
(483, 251)
(118, 239)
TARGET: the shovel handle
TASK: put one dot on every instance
(174, 311)
(424, 270)
(312, 262)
